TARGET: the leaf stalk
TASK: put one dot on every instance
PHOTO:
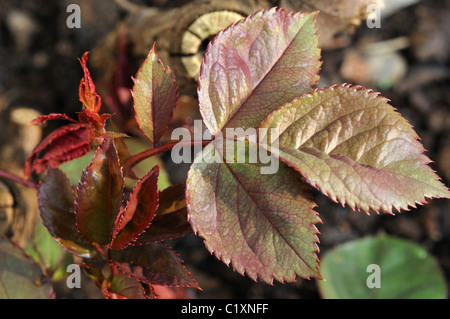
(17, 179)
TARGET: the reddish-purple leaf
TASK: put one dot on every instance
(352, 145)
(170, 219)
(154, 264)
(264, 224)
(155, 95)
(255, 66)
(139, 211)
(57, 207)
(62, 145)
(52, 116)
(172, 199)
(100, 195)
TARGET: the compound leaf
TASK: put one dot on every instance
(100, 195)
(353, 146)
(155, 95)
(264, 224)
(257, 65)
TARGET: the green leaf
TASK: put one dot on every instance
(256, 65)
(139, 211)
(74, 168)
(264, 224)
(155, 96)
(401, 269)
(154, 264)
(57, 207)
(100, 195)
(20, 276)
(352, 145)
(45, 250)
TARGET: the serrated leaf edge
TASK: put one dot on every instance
(83, 174)
(261, 12)
(121, 216)
(255, 277)
(147, 282)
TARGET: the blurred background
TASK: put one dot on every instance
(399, 48)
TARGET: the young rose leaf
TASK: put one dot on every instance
(112, 135)
(87, 93)
(139, 211)
(264, 224)
(155, 95)
(52, 116)
(170, 219)
(100, 195)
(121, 286)
(62, 145)
(57, 208)
(169, 226)
(95, 121)
(256, 65)
(154, 264)
(353, 146)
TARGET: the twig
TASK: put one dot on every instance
(17, 179)
(135, 159)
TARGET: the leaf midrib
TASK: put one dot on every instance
(263, 210)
